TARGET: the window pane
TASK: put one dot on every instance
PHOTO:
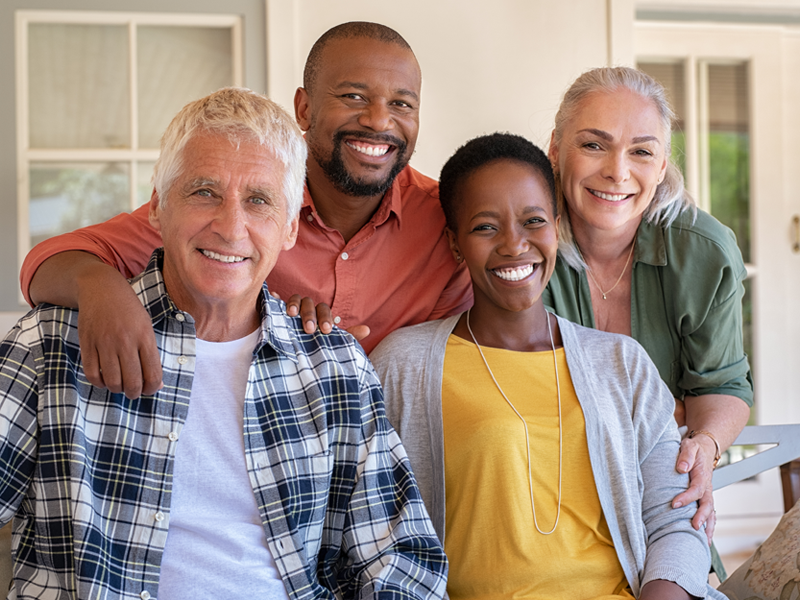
(670, 75)
(78, 89)
(178, 65)
(65, 196)
(729, 149)
(144, 187)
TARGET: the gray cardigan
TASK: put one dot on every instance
(632, 437)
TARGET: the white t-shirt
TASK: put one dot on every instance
(216, 544)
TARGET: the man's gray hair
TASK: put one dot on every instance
(240, 115)
(671, 198)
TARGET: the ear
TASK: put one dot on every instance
(302, 113)
(552, 152)
(291, 234)
(558, 227)
(451, 239)
(663, 173)
(155, 211)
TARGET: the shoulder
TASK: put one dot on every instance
(410, 344)
(687, 240)
(413, 183)
(599, 346)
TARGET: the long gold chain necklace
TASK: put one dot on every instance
(625, 268)
(525, 425)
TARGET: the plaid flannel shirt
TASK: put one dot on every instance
(87, 474)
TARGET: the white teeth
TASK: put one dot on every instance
(610, 197)
(516, 274)
(370, 150)
(222, 257)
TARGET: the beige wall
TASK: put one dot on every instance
(487, 66)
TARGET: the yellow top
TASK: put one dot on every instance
(493, 546)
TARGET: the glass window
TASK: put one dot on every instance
(101, 89)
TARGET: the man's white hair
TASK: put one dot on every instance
(239, 114)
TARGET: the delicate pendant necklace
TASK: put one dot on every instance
(525, 425)
(625, 268)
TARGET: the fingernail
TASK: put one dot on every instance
(310, 325)
(677, 505)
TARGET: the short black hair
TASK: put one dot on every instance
(353, 29)
(485, 149)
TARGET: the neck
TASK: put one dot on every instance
(347, 214)
(520, 331)
(603, 246)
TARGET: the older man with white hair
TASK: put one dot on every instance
(265, 466)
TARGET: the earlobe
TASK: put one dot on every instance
(301, 112)
(451, 240)
(154, 213)
(552, 151)
(291, 237)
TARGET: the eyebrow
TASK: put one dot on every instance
(364, 86)
(608, 137)
(496, 215)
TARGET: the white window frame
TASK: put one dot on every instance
(27, 155)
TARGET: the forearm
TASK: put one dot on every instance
(723, 416)
(60, 278)
(661, 589)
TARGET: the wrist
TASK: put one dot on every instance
(707, 439)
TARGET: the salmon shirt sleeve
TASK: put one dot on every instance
(124, 242)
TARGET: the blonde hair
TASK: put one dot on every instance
(671, 198)
(239, 114)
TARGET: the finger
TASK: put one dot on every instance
(110, 368)
(275, 295)
(91, 365)
(358, 331)
(151, 369)
(711, 526)
(308, 314)
(704, 511)
(131, 376)
(293, 305)
(324, 317)
(699, 484)
(688, 455)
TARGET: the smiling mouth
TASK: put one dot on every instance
(368, 149)
(610, 197)
(515, 274)
(221, 257)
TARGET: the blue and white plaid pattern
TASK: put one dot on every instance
(87, 474)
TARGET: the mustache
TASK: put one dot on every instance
(375, 138)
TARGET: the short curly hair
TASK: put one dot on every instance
(481, 151)
(353, 29)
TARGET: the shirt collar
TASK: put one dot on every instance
(651, 247)
(390, 203)
(277, 328)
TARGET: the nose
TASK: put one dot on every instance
(376, 116)
(230, 221)
(514, 243)
(616, 168)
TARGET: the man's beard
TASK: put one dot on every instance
(343, 181)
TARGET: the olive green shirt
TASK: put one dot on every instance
(686, 305)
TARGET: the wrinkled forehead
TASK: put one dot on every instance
(638, 114)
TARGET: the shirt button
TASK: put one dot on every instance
(173, 436)
(145, 595)
(182, 360)
(180, 317)
(337, 320)
(159, 516)
(310, 217)
(345, 256)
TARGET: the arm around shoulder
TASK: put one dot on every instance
(124, 242)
